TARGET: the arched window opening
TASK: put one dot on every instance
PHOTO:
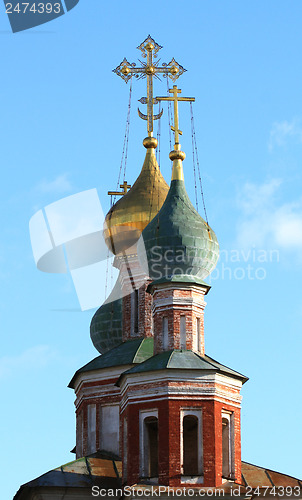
(226, 447)
(190, 446)
(151, 447)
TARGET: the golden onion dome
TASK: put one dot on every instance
(128, 217)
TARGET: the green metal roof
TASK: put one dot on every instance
(74, 479)
(127, 353)
(182, 360)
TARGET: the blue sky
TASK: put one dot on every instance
(62, 122)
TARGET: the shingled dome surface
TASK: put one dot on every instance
(131, 214)
(106, 324)
(178, 242)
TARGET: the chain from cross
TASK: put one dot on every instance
(125, 187)
(149, 69)
(175, 91)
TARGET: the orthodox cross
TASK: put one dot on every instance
(175, 91)
(125, 187)
(149, 69)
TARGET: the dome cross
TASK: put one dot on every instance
(175, 91)
(149, 70)
(125, 186)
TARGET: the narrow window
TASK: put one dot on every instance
(134, 311)
(165, 334)
(190, 445)
(198, 334)
(182, 332)
(151, 447)
(227, 445)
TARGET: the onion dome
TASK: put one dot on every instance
(106, 324)
(179, 244)
(130, 215)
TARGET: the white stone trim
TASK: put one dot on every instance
(154, 398)
(179, 286)
(191, 376)
(98, 375)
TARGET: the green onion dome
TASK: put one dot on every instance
(106, 324)
(178, 243)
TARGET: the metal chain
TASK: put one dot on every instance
(158, 136)
(123, 163)
(194, 142)
(107, 270)
(128, 123)
(125, 146)
(193, 154)
(170, 117)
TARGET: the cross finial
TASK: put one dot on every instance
(125, 187)
(149, 69)
(175, 91)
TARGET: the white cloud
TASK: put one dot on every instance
(283, 132)
(33, 358)
(265, 222)
(61, 184)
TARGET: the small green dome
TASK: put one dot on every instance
(106, 324)
(178, 242)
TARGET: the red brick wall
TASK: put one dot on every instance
(173, 303)
(144, 315)
(99, 398)
(169, 459)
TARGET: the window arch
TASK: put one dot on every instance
(227, 445)
(149, 444)
(191, 445)
(151, 450)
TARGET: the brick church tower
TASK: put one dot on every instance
(152, 409)
(156, 399)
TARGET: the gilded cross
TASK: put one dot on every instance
(125, 187)
(148, 70)
(175, 91)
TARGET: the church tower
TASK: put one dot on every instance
(153, 410)
(154, 397)
(180, 409)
